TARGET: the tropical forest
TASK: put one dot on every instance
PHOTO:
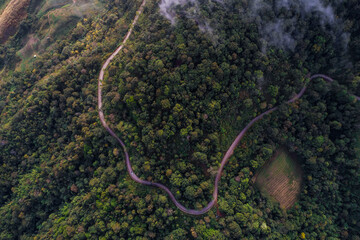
(179, 119)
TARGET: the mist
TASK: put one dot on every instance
(282, 30)
(276, 34)
(190, 9)
(168, 8)
(279, 30)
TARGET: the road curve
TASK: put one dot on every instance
(228, 154)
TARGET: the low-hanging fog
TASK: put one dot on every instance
(280, 30)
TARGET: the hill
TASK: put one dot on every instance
(188, 80)
(11, 16)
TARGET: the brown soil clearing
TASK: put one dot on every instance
(280, 179)
(13, 14)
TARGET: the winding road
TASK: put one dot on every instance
(228, 154)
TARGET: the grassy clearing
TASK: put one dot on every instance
(280, 179)
(56, 19)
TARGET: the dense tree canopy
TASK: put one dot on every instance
(178, 96)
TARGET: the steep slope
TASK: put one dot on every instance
(177, 96)
(10, 18)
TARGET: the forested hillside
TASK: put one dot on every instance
(185, 84)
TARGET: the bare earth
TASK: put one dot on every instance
(281, 180)
(11, 17)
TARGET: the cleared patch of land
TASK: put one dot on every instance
(13, 14)
(280, 179)
(55, 19)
